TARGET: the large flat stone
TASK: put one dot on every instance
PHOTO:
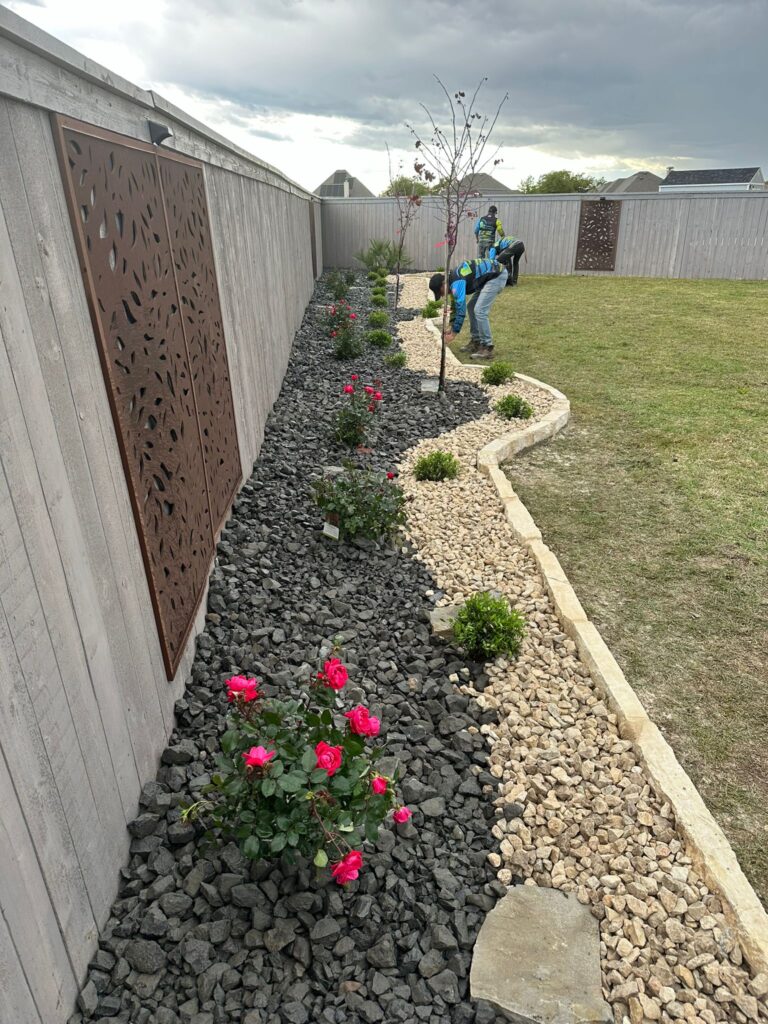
(537, 958)
(443, 618)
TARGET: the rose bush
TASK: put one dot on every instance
(338, 317)
(298, 776)
(354, 419)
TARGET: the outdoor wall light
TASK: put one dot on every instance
(158, 133)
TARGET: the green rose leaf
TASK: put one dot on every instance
(321, 859)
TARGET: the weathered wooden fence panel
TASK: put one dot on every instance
(85, 706)
(698, 235)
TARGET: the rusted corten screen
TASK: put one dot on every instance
(187, 212)
(598, 234)
(159, 368)
(313, 238)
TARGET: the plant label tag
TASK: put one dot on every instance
(329, 530)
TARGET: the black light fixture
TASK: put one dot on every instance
(158, 133)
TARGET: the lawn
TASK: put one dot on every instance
(655, 499)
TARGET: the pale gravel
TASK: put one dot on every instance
(591, 822)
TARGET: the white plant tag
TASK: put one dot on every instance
(331, 531)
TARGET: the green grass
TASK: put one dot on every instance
(654, 498)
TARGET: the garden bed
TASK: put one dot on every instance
(200, 936)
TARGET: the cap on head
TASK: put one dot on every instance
(492, 209)
(436, 283)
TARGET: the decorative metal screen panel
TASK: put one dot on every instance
(313, 238)
(155, 310)
(187, 213)
(598, 234)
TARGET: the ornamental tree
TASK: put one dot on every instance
(454, 155)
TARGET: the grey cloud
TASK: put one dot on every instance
(653, 79)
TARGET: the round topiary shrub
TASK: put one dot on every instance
(513, 407)
(378, 318)
(486, 627)
(437, 466)
(379, 339)
(378, 300)
(373, 275)
(498, 373)
(379, 290)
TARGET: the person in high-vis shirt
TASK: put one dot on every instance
(486, 229)
(482, 280)
(508, 251)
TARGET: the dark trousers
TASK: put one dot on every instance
(515, 250)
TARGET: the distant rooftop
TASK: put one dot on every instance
(487, 185)
(641, 181)
(341, 184)
(713, 176)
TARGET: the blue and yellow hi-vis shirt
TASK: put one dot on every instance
(486, 229)
(469, 277)
(501, 245)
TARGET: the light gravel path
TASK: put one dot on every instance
(575, 811)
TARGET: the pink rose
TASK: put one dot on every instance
(354, 377)
(335, 674)
(240, 688)
(361, 722)
(372, 407)
(402, 814)
(378, 785)
(348, 868)
(349, 389)
(328, 758)
(257, 757)
(333, 334)
(368, 389)
(378, 396)
(353, 316)
(390, 476)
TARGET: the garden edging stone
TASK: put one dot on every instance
(709, 848)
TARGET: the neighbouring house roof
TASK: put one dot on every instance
(713, 176)
(342, 184)
(641, 181)
(488, 185)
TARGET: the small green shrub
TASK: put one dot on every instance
(379, 339)
(379, 290)
(379, 300)
(378, 318)
(513, 407)
(337, 285)
(364, 502)
(437, 466)
(433, 308)
(347, 344)
(378, 256)
(382, 256)
(487, 627)
(350, 277)
(498, 373)
(396, 359)
(372, 275)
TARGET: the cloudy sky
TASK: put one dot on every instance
(602, 86)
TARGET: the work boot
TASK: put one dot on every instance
(472, 346)
(485, 352)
